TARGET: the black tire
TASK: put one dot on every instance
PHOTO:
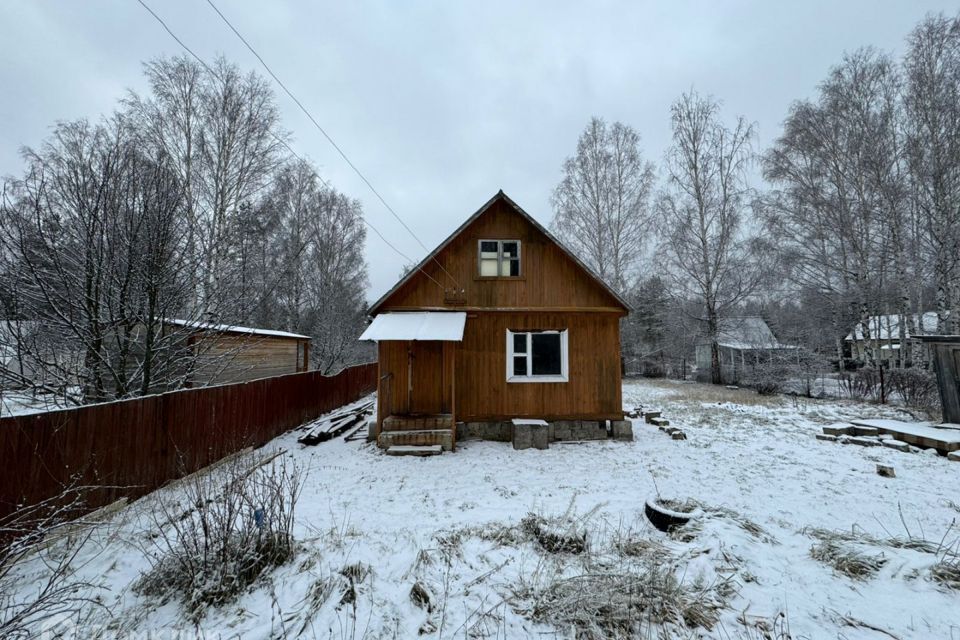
(665, 519)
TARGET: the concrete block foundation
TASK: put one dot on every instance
(527, 434)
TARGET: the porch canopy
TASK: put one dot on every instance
(417, 325)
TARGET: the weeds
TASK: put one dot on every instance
(846, 560)
(240, 522)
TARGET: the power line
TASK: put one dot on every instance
(282, 141)
(327, 136)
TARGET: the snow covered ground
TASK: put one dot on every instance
(452, 525)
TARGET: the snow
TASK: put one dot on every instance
(417, 325)
(918, 429)
(17, 403)
(529, 422)
(753, 455)
(231, 328)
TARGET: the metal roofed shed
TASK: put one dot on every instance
(446, 326)
(229, 328)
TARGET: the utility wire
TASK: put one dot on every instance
(327, 136)
(284, 142)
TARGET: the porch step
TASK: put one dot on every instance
(417, 423)
(418, 438)
(410, 450)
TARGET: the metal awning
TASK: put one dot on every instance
(417, 325)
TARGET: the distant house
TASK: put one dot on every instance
(223, 354)
(743, 341)
(500, 322)
(185, 353)
(884, 336)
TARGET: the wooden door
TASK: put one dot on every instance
(426, 377)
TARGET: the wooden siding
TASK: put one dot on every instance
(548, 279)
(432, 391)
(225, 359)
(479, 388)
(946, 357)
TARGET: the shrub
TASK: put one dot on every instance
(238, 522)
(652, 369)
(916, 388)
(862, 384)
(45, 533)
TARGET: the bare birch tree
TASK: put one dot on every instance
(710, 255)
(602, 204)
(841, 212)
(317, 252)
(932, 103)
(221, 128)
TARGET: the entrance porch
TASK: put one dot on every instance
(416, 399)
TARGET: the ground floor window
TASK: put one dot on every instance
(537, 356)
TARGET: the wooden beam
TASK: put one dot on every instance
(513, 309)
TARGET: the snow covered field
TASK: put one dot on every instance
(371, 527)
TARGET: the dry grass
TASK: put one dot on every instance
(617, 584)
(696, 392)
(861, 537)
(238, 524)
(946, 572)
(620, 604)
(846, 560)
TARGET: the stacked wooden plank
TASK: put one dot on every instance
(348, 421)
(894, 434)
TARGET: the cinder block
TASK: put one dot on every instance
(828, 438)
(522, 436)
(622, 429)
(540, 436)
(896, 445)
(564, 429)
(886, 471)
(838, 429)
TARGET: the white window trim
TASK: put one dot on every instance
(500, 258)
(564, 359)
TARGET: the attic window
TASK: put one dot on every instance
(499, 258)
(537, 356)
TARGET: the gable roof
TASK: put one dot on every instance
(500, 195)
(747, 332)
(888, 327)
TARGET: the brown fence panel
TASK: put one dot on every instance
(131, 447)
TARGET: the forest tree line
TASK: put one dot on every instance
(853, 212)
(184, 203)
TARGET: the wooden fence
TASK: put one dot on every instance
(131, 447)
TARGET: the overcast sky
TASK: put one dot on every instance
(441, 104)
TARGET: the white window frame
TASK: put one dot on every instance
(530, 377)
(500, 258)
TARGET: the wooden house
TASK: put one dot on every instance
(224, 354)
(879, 337)
(743, 343)
(500, 322)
